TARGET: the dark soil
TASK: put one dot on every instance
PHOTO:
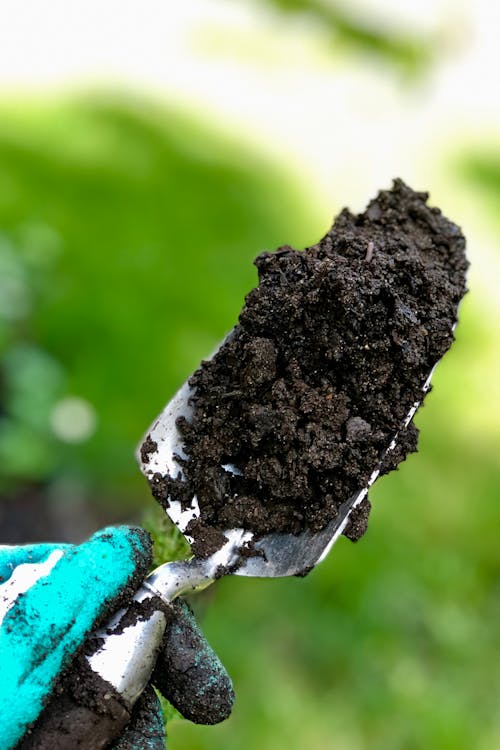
(146, 730)
(331, 351)
(206, 539)
(189, 673)
(85, 714)
(148, 446)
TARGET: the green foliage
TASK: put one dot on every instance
(410, 53)
(169, 543)
(169, 712)
(480, 168)
(128, 238)
(32, 381)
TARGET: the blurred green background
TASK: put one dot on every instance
(128, 224)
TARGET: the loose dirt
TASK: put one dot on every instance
(331, 351)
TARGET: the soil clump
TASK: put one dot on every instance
(332, 350)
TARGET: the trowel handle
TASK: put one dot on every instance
(94, 703)
(124, 653)
(117, 665)
(127, 648)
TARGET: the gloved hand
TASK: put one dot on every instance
(51, 597)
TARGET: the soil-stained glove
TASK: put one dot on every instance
(190, 675)
(51, 597)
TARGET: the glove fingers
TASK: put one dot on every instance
(146, 730)
(189, 673)
(12, 557)
(46, 625)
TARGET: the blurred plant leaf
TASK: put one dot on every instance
(129, 232)
(169, 543)
(481, 169)
(410, 53)
(169, 712)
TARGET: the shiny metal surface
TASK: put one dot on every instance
(126, 658)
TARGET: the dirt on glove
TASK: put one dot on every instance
(190, 674)
(332, 350)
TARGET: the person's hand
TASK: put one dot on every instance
(51, 597)
(190, 675)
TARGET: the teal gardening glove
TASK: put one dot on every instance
(51, 597)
